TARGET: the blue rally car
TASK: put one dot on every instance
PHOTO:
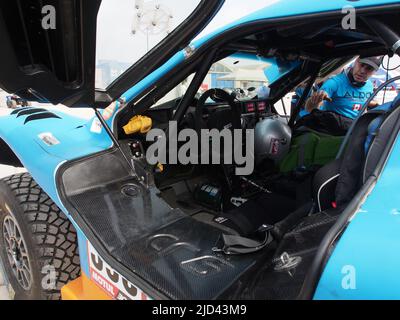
(92, 218)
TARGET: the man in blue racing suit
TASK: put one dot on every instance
(346, 93)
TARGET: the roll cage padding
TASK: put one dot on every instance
(379, 142)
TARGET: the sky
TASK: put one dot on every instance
(116, 21)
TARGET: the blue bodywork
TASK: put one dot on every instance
(370, 241)
(42, 161)
(365, 263)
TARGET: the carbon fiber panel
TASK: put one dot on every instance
(171, 251)
(302, 242)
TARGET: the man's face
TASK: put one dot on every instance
(362, 72)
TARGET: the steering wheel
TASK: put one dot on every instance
(217, 95)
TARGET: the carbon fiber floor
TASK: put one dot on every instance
(165, 247)
(271, 284)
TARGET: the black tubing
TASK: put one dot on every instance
(391, 39)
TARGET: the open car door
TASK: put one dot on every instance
(48, 51)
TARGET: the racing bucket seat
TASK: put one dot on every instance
(334, 186)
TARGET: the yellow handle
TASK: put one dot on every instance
(138, 124)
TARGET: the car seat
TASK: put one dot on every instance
(334, 186)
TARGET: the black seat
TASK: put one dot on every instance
(334, 186)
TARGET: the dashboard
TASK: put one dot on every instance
(215, 114)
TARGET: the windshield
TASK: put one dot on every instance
(128, 29)
(244, 75)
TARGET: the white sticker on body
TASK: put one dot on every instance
(49, 139)
(96, 127)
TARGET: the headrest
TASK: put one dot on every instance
(389, 105)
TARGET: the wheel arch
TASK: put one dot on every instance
(7, 155)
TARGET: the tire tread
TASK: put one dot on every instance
(54, 235)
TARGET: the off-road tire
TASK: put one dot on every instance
(49, 236)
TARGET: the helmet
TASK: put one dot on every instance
(272, 140)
